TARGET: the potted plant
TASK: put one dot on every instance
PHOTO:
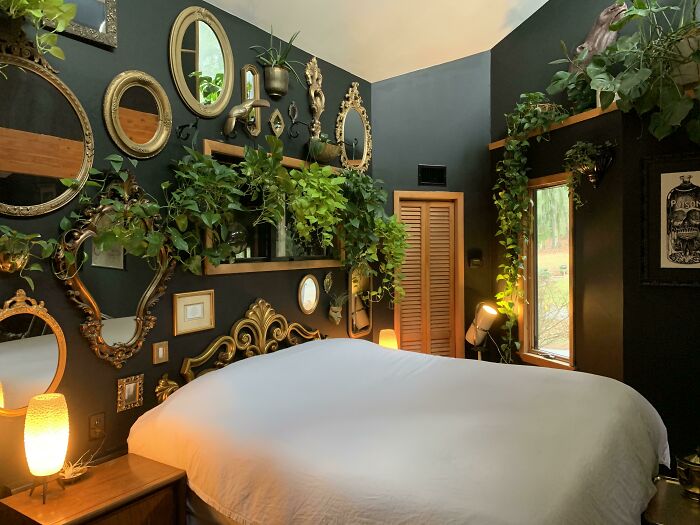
(574, 81)
(16, 249)
(277, 65)
(589, 160)
(323, 150)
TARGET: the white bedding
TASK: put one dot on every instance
(344, 431)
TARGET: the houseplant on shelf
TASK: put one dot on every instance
(323, 150)
(574, 81)
(16, 250)
(589, 160)
(277, 65)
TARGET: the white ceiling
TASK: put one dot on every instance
(380, 39)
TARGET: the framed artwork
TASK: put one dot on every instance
(129, 393)
(671, 220)
(193, 312)
(95, 20)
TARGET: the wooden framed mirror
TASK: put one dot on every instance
(201, 62)
(116, 302)
(137, 114)
(309, 294)
(45, 136)
(359, 308)
(250, 90)
(353, 132)
(32, 353)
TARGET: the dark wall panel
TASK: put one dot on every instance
(89, 383)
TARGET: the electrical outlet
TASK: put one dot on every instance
(97, 426)
(160, 352)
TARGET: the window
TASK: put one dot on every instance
(548, 313)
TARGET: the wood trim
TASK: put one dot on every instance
(48, 156)
(581, 117)
(538, 360)
(458, 199)
(213, 147)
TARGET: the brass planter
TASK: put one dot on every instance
(323, 152)
(689, 474)
(13, 262)
(276, 81)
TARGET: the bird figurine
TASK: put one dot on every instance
(241, 111)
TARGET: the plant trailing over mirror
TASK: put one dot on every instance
(534, 113)
(36, 12)
(17, 249)
(589, 160)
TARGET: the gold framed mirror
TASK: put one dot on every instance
(45, 136)
(137, 114)
(309, 294)
(116, 302)
(201, 62)
(353, 132)
(317, 100)
(32, 353)
(250, 90)
(359, 308)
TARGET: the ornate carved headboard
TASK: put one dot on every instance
(260, 332)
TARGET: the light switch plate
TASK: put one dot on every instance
(160, 352)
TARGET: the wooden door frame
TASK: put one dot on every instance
(458, 199)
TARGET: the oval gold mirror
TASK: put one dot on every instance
(32, 353)
(137, 114)
(309, 294)
(45, 136)
(201, 62)
(353, 132)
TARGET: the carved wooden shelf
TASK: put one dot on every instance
(581, 117)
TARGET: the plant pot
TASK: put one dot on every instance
(335, 314)
(688, 73)
(323, 152)
(276, 81)
(595, 171)
(13, 262)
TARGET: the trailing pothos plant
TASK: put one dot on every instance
(37, 13)
(373, 243)
(584, 158)
(533, 114)
(17, 249)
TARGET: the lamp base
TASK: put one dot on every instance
(43, 482)
(479, 349)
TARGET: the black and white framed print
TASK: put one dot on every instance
(671, 218)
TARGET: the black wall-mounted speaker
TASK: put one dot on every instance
(430, 175)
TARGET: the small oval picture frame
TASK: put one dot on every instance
(309, 294)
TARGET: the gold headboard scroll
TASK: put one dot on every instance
(260, 332)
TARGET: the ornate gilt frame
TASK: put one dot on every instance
(86, 227)
(306, 277)
(122, 404)
(189, 16)
(109, 38)
(353, 100)
(252, 130)
(40, 67)
(110, 107)
(261, 331)
(317, 100)
(21, 304)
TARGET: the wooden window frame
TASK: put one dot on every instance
(458, 199)
(528, 353)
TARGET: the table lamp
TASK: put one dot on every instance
(484, 316)
(387, 339)
(2, 396)
(46, 438)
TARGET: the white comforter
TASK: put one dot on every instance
(345, 431)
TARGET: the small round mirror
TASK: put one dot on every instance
(309, 294)
(32, 353)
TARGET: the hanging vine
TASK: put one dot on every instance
(533, 114)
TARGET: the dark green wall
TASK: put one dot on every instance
(89, 383)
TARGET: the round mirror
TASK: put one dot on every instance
(309, 294)
(32, 353)
(45, 136)
(353, 132)
(354, 138)
(137, 114)
(201, 62)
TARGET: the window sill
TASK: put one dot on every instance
(538, 360)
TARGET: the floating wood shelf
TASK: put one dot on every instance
(49, 156)
(581, 117)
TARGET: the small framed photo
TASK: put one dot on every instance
(129, 393)
(193, 312)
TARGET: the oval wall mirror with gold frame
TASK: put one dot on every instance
(137, 114)
(32, 353)
(309, 294)
(250, 89)
(353, 132)
(45, 136)
(201, 62)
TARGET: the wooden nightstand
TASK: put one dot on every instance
(670, 507)
(128, 490)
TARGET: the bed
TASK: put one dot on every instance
(344, 431)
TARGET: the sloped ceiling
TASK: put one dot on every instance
(380, 39)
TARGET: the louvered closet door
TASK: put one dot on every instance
(426, 318)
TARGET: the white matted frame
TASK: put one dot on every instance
(193, 312)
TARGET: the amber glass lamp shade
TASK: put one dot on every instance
(387, 339)
(46, 434)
